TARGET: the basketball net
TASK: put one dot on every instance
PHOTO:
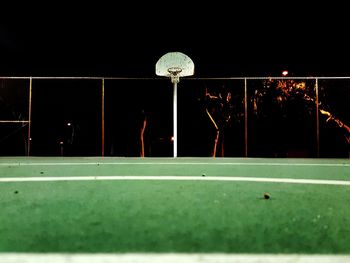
(175, 74)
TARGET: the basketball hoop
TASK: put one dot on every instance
(175, 65)
(175, 74)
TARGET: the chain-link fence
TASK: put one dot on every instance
(217, 117)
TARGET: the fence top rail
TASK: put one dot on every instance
(162, 78)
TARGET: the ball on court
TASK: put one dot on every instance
(203, 174)
(266, 195)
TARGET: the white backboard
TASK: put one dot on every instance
(175, 63)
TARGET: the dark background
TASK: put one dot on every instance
(127, 39)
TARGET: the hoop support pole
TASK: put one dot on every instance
(175, 119)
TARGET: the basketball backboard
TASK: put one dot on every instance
(174, 64)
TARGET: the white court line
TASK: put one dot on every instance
(169, 163)
(170, 258)
(176, 178)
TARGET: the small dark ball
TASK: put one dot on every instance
(16, 192)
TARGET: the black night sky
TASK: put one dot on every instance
(223, 41)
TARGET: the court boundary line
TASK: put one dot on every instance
(170, 163)
(173, 178)
(170, 258)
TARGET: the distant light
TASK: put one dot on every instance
(61, 142)
(284, 73)
(69, 124)
(172, 138)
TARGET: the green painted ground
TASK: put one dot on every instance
(173, 216)
(337, 169)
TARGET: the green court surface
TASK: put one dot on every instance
(174, 205)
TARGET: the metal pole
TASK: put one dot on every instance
(245, 119)
(29, 115)
(103, 118)
(175, 117)
(317, 120)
